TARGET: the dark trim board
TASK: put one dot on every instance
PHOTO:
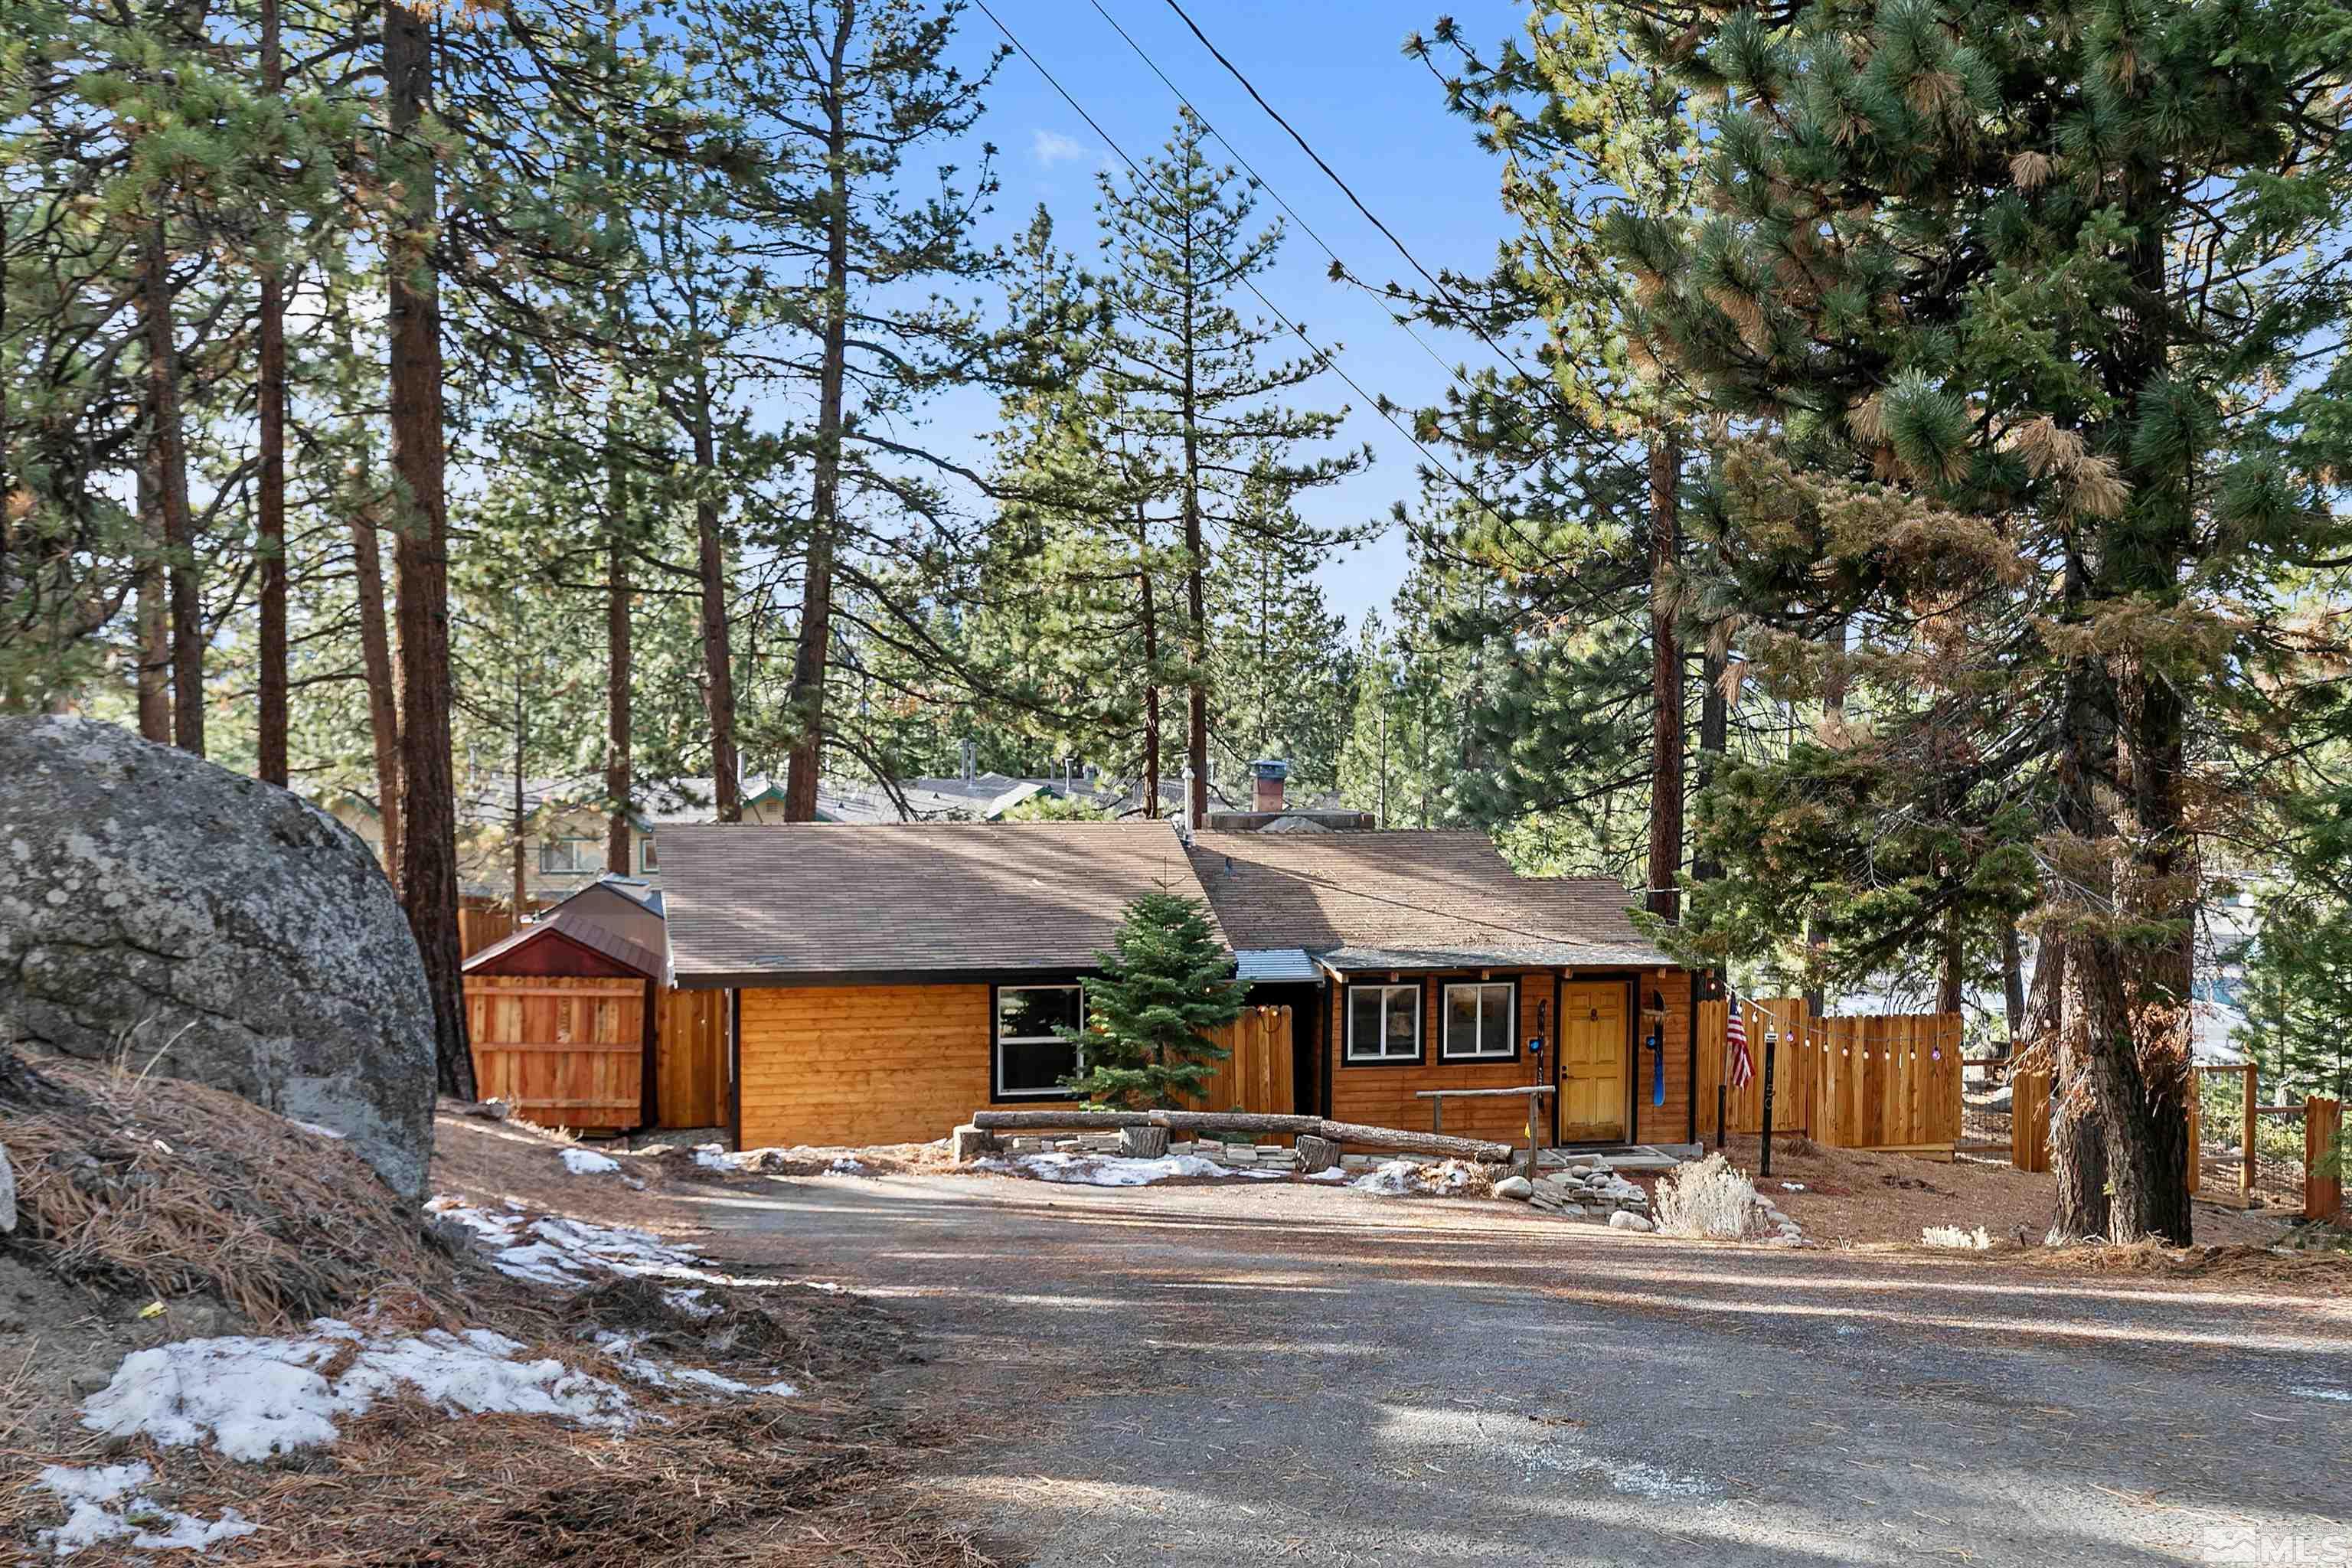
(735, 1067)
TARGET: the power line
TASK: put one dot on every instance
(1321, 355)
(1469, 317)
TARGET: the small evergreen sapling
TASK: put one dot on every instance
(1164, 986)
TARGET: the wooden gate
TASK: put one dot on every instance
(689, 1057)
(1889, 1082)
(563, 1052)
(1255, 1074)
(1792, 1066)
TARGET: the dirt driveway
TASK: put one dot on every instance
(1283, 1374)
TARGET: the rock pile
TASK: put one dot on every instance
(1587, 1188)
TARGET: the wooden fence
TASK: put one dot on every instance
(1255, 1074)
(563, 1052)
(479, 928)
(1888, 1082)
(2322, 1195)
(689, 1057)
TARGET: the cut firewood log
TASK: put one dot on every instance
(1143, 1142)
(1316, 1153)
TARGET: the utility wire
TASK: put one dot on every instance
(1469, 317)
(1321, 355)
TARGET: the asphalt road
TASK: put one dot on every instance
(1289, 1375)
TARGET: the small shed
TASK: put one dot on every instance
(573, 1025)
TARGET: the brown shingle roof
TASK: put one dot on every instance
(1410, 900)
(593, 934)
(758, 905)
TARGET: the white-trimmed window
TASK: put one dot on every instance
(1480, 1021)
(1384, 1022)
(1032, 1058)
(648, 860)
(569, 857)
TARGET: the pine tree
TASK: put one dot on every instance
(1165, 985)
(2035, 318)
(1282, 663)
(1190, 396)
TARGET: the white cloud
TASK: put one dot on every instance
(1051, 147)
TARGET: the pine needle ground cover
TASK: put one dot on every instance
(156, 1215)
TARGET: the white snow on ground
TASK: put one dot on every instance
(691, 1303)
(139, 1519)
(257, 1396)
(848, 1165)
(2343, 1393)
(315, 1129)
(1114, 1170)
(588, 1162)
(622, 1350)
(570, 1253)
(1397, 1178)
(1334, 1174)
(710, 1156)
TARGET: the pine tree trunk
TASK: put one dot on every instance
(1951, 990)
(2012, 979)
(1833, 706)
(1196, 556)
(619, 781)
(718, 654)
(814, 650)
(150, 618)
(518, 813)
(382, 685)
(1665, 683)
(1150, 687)
(168, 460)
(428, 881)
(271, 723)
(1714, 733)
(2077, 962)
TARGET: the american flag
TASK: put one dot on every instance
(1735, 1037)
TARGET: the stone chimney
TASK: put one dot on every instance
(1270, 776)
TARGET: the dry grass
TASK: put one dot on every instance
(2322, 1271)
(170, 1189)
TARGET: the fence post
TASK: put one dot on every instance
(2322, 1196)
(2246, 1170)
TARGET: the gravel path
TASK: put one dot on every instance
(1284, 1374)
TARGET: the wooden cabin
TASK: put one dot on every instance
(885, 981)
(574, 1023)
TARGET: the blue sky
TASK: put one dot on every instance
(1336, 73)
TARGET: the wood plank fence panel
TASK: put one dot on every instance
(562, 1052)
(2029, 1121)
(1794, 1068)
(689, 1057)
(1890, 1081)
(1255, 1074)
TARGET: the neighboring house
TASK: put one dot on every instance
(888, 980)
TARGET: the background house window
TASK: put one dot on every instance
(567, 857)
(646, 860)
(1031, 1058)
(1384, 1023)
(1478, 1021)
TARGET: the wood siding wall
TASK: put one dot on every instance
(862, 1064)
(1385, 1096)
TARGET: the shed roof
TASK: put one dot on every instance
(1411, 899)
(590, 934)
(799, 904)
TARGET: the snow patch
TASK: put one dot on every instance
(1115, 1170)
(1333, 1174)
(622, 1350)
(2343, 1393)
(846, 1165)
(571, 1253)
(1402, 1178)
(315, 1129)
(140, 1519)
(588, 1162)
(256, 1396)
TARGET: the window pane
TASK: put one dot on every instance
(1026, 1067)
(1495, 1020)
(1401, 1021)
(1364, 1021)
(1461, 1020)
(1036, 1010)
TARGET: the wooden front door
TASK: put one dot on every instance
(1592, 1062)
